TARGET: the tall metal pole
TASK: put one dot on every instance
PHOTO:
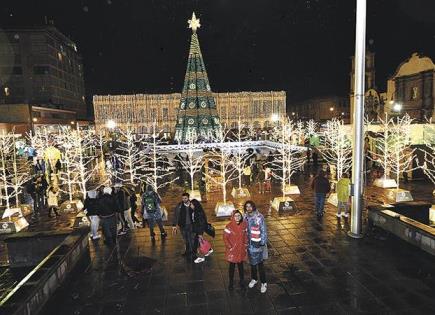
(358, 122)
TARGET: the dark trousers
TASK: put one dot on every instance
(133, 214)
(152, 222)
(52, 209)
(319, 202)
(189, 238)
(260, 268)
(108, 225)
(38, 204)
(231, 268)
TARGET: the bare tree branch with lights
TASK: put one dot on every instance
(130, 155)
(384, 146)
(157, 166)
(429, 153)
(402, 154)
(336, 147)
(193, 163)
(68, 173)
(222, 160)
(289, 158)
(239, 157)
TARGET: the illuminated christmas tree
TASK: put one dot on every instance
(197, 113)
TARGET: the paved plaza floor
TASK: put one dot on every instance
(313, 268)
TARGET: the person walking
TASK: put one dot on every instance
(343, 195)
(151, 205)
(183, 219)
(236, 240)
(257, 244)
(53, 202)
(124, 212)
(321, 187)
(247, 174)
(91, 210)
(107, 210)
(199, 225)
(133, 207)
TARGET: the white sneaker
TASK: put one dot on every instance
(252, 283)
(199, 260)
(346, 215)
(263, 288)
(96, 237)
(338, 215)
(209, 252)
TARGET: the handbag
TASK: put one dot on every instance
(204, 245)
(209, 229)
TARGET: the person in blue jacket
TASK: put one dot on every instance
(257, 244)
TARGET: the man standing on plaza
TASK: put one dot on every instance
(107, 212)
(151, 206)
(321, 188)
(343, 195)
(183, 218)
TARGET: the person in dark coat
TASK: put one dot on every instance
(183, 219)
(151, 208)
(199, 225)
(236, 241)
(321, 187)
(107, 210)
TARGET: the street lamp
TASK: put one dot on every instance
(34, 119)
(275, 117)
(111, 124)
(331, 109)
(397, 107)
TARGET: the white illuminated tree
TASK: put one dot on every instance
(6, 150)
(337, 147)
(383, 150)
(289, 157)
(312, 128)
(192, 164)
(402, 154)
(240, 157)
(131, 157)
(68, 173)
(21, 170)
(222, 160)
(84, 164)
(429, 152)
(157, 166)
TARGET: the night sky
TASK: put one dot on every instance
(301, 47)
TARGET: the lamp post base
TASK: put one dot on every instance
(353, 235)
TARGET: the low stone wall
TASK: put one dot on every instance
(409, 230)
(27, 249)
(30, 295)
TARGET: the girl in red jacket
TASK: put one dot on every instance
(236, 240)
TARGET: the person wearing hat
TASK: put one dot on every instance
(107, 209)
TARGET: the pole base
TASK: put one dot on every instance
(353, 235)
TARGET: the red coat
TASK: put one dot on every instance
(236, 240)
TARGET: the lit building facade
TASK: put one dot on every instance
(140, 110)
(412, 89)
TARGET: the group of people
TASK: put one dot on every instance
(322, 187)
(114, 208)
(42, 196)
(244, 237)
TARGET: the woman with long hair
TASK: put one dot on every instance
(199, 225)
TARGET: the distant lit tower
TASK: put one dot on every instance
(197, 112)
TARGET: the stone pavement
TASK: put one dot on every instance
(314, 268)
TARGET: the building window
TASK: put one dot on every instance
(414, 93)
(165, 114)
(153, 114)
(40, 70)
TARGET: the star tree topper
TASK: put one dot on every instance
(194, 23)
